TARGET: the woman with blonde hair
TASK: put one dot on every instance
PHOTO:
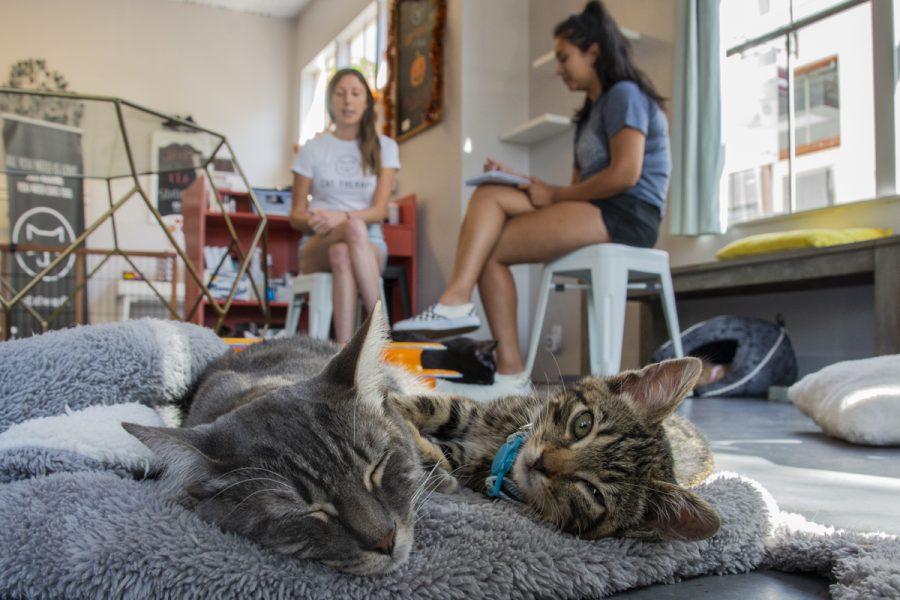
(342, 182)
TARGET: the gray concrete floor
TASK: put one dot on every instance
(826, 480)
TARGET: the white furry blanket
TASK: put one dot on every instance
(75, 523)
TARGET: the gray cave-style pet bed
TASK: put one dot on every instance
(759, 354)
(77, 520)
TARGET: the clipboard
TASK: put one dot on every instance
(498, 178)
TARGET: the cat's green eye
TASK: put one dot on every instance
(582, 424)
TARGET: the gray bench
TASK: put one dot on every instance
(875, 262)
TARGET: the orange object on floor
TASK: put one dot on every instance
(238, 344)
(403, 354)
(409, 356)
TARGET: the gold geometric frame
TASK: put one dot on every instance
(133, 120)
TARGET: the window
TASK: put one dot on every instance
(798, 98)
(360, 46)
(817, 115)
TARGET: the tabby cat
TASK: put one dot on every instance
(298, 453)
(605, 457)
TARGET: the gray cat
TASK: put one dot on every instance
(299, 453)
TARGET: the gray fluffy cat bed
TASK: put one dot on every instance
(74, 521)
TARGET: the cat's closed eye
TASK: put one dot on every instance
(318, 514)
(595, 494)
(373, 479)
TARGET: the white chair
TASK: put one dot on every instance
(607, 269)
(314, 289)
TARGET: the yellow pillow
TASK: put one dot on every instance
(799, 238)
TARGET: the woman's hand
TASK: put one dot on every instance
(492, 165)
(540, 193)
(323, 221)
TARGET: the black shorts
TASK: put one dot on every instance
(630, 220)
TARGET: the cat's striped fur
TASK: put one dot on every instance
(606, 456)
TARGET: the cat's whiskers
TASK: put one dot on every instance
(283, 485)
(434, 487)
(355, 409)
(423, 482)
(270, 471)
(435, 481)
(558, 371)
(643, 487)
(247, 497)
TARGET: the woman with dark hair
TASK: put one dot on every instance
(617, 191)
(347, 173)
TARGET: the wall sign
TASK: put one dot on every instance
(176, 158)
(46, 208)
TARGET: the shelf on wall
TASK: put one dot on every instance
(537, 129)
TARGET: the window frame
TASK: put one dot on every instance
(824, 143)
(373, 14)
(887, 101)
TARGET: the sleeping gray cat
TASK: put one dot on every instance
(298, 453)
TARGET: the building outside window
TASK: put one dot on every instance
(798, 105)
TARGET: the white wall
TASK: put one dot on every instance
(230, 71)
(495, 73)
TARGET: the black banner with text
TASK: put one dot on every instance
(46, 208)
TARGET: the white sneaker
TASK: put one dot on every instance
(432, 322)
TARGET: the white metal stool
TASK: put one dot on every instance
(315, 288)
(607, 269)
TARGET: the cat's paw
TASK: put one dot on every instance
(442, 481)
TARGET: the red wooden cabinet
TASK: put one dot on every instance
(401, 242)
(205, 227)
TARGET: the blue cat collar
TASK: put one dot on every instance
(497, 485)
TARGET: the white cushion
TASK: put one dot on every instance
(857, 400)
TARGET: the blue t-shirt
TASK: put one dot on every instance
(625, 105)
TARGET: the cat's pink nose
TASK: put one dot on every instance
(386, 544)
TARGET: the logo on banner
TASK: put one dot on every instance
(43, 225)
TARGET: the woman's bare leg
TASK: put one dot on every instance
(344, 252)
(536, 237)
(343, 291)
(490, 207)
(365, 259)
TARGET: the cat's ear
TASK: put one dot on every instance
(674, 513)
(655, 391)
(487, 347)
(361, 362)
(183, 451)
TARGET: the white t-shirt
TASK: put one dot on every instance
(335, 168)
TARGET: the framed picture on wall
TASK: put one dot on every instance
(413, 100)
